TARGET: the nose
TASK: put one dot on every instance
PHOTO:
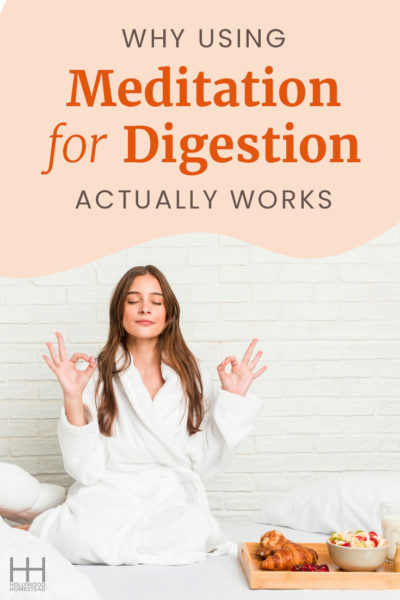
(144, 307)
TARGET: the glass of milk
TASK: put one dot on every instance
(390, 514)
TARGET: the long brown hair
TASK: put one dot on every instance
(171, 345)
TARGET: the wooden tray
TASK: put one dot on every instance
(382, 579)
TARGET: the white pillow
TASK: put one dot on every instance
(346, 501)
(50, 495)
(18, 489)
(22, 497)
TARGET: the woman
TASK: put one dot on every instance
(138, 436)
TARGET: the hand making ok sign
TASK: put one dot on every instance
(242, 374)
(72, 380)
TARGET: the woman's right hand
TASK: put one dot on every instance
(72, 380)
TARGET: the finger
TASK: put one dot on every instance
(61, 346)
(53, 353)
(222, 365)
(92, 367)
(229, 359)
(255, 360)
(248, 353)
(47, 359)
(79, 355)
(260, 372)
(233, 360)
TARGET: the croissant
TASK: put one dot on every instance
(279, 553)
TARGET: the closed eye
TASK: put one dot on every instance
(136, 301)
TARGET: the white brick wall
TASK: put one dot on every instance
(329, 329)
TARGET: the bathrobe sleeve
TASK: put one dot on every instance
(82, 446)
(229, 418)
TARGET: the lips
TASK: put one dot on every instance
(144, 322)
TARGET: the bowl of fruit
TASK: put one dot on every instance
(359, 551)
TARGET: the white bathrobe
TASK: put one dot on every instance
(139, 496)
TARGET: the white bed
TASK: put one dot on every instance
(215, 578)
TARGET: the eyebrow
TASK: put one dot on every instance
(134, 292)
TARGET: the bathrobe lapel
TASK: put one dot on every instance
(163, 444)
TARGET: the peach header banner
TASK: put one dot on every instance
(275, 123)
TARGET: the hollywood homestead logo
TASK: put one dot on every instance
(27, 578)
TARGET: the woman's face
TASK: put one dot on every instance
(144, 310)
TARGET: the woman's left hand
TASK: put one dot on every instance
(239, 379)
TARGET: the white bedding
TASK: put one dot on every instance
(61, 580)
(216, 578)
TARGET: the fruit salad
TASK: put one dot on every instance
(359, 539)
